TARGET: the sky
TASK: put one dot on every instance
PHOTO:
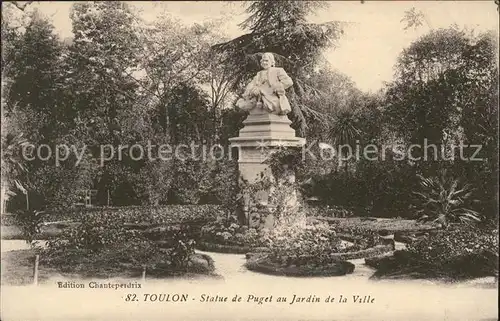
(368, 50)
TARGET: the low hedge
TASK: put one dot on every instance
(144, 214)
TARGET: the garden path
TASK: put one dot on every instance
(394, 299)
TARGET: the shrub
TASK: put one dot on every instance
(382, 189)
(227, 231)
(204, 182)
(460, 251)
(181, 252)
(30, 223)
(457, 241)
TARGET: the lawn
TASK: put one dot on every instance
(18, 265)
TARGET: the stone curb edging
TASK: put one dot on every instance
(335, 269)
(367, 253)
(231, 249)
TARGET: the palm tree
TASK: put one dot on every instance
(344, 131)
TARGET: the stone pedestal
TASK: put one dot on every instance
(263, 133)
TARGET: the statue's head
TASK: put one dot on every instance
(267, 60)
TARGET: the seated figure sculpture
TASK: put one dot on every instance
(267, 89)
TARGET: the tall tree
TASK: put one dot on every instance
(104, 51)
(422, 101)
(477, 88)
(174, 56)
(35, 104)
(446, 92)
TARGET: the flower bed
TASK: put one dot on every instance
(335, 265)
(320, 241)
(114, 263)
(264, 265)
(225, 235)
(300, 245)
(103, 243)
(310, 250)
(459, 252)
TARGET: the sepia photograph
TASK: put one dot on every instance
(249, 160)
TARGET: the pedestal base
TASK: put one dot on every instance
(262, 135)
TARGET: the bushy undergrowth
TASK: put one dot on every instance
(30, 223)
(461, 251)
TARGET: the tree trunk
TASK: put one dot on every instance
(3, 199)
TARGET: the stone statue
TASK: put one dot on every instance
(267, 89)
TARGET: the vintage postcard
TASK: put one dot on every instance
(249, 160)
